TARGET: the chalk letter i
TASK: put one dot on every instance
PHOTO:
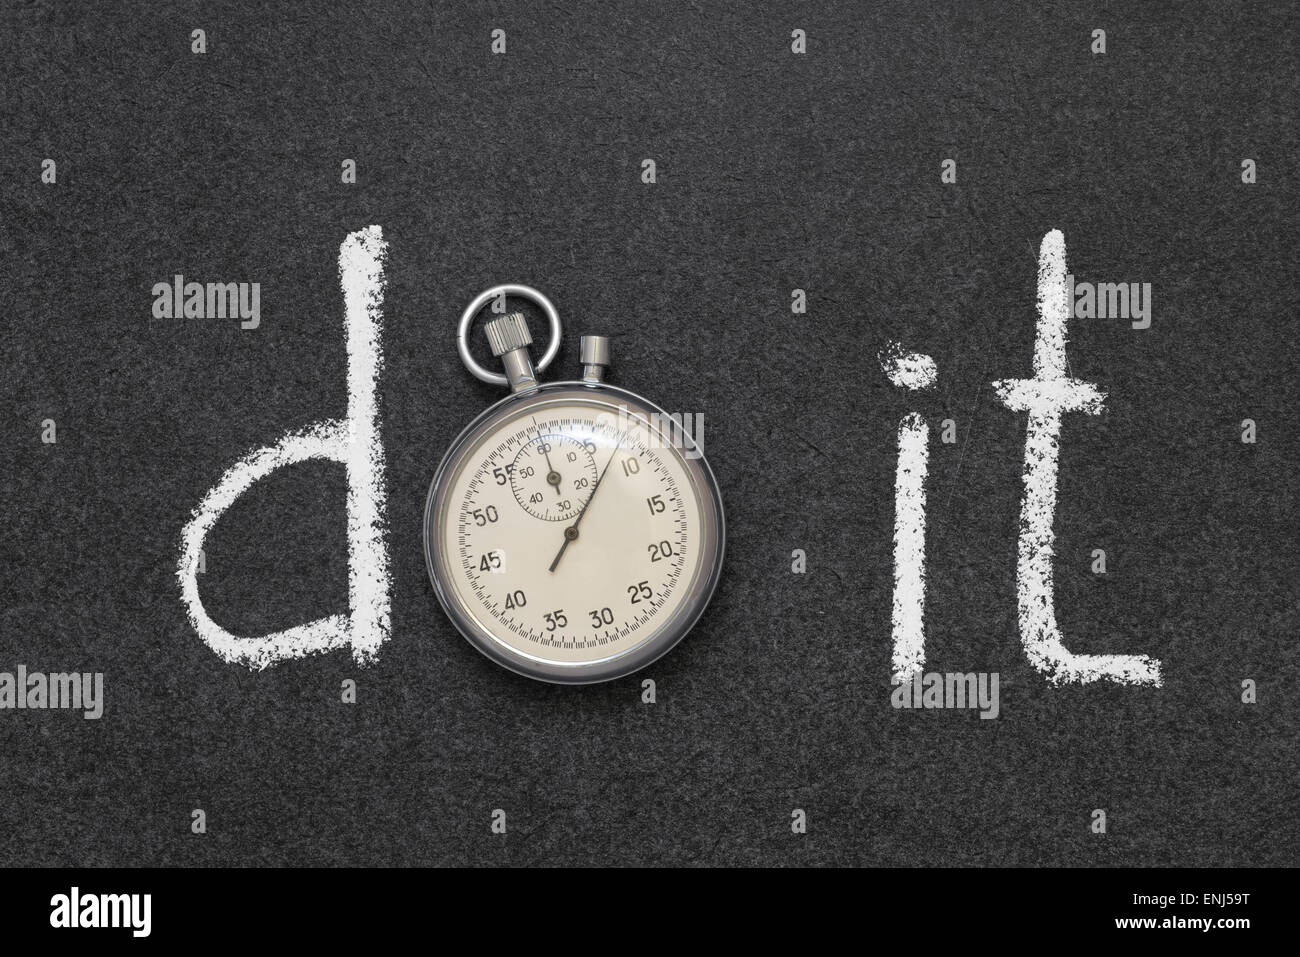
(913, 371)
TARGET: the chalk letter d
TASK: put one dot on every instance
(354, 442)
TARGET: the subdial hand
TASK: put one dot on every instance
(552, 476)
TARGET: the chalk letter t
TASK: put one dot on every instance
(1049, 394)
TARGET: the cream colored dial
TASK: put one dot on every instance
(572, 533)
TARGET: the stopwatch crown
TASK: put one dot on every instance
(508, 333)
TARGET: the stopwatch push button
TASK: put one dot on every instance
(595, 358)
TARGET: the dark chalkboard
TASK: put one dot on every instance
(776, 170)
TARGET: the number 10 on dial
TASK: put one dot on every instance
(569, 535)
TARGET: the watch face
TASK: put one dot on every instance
(572, 536)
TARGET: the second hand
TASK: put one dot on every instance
(571, 532)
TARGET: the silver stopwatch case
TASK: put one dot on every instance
(509, 339)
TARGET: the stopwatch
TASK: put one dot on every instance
(573, 532)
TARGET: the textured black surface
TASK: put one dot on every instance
(775, 171)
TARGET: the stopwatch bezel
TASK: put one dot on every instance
(663, 637)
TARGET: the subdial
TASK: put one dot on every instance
(552, 477)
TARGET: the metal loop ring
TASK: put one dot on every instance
(481, 300)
